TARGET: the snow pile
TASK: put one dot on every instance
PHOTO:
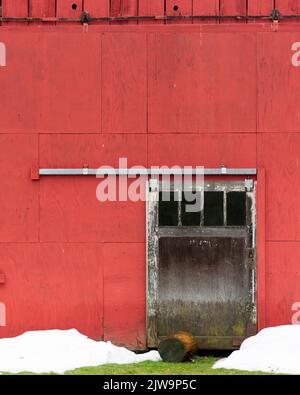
(61, 350)
(275, 350)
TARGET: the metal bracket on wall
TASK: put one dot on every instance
(249, 184)
(155, 171)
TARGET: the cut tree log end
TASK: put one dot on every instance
(181, 346)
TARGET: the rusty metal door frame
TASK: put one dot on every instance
(154, 233)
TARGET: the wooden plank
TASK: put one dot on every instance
(124, 8)
(16, 9)
(206, 7)
(258, 7)
(184, 71)
(233, 7)
(124, 312)
(279, 154)
(71, 93)
(62, 83)
(261, 248)
(276, 73)
(178, 8)
(19, 195)
(152, 263)
(124, 87)
(209, 150)
(151, 8)
(85, 218)
(216, 294)
(36, 272)
(41, 9)
(73, 150)
(25, 58)
(289, 7)
(97, 9)
(69, 9)
(282, 283)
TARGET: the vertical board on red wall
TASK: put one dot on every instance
(97, 9)
(179, 8)
(21, 83)
(123, 8)
(65, 281)
(261, 247)
(282, 283)
(71, 90)
(70, 211)
(19, 195)
(69, 9)
(124, 83)
(202, 149)
(41, 9)
(207, 8)
(277, 72)
(288, 7)
(279, 154)
(258, 7)
(124, 294)
(16, 9)
(62, 197)
(151, 8)
(233, 8)
(193, 89)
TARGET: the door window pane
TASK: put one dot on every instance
(168, 209)
(189, 218)
(213, 209)
(236, 208)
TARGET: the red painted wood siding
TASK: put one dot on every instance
(124, 292)
(151, 8)
(207, 8)
(97, 9)
(258, 7)
(122, 8)
(165, 95)
(119, 72)
(69, 9)
(16, 9)
(288, 7)
(52, 286)
(184, 70)
(233, 7)
(179, 8)
(42, 8)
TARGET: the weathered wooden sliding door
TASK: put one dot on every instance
(201, 266)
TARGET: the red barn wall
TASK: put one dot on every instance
(182, 94)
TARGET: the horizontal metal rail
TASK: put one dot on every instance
(143, 171)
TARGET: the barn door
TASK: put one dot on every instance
(201, 266)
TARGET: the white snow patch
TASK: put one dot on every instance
(275, 350)
(61, 350)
